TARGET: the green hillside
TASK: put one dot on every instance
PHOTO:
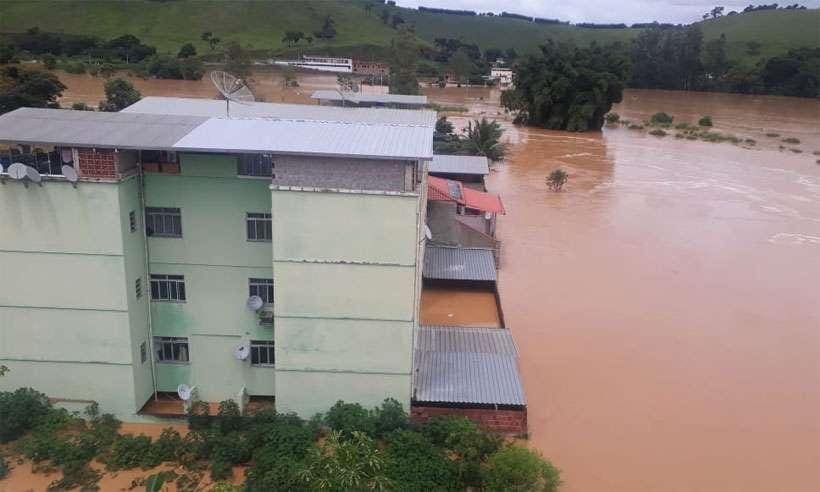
(261, 25)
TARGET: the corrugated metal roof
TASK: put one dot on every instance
(366, 97)
(310, 138)
(452, 263)
(95, 129)
(216, 108)
(459, 164)
(466, 365)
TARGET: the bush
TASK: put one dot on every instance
(20, 411)
(791, 140)
(612, 117)
(414, 462)
(661, 119)
(517, 468)
(168, 446)
(466, 443)
(658, 132)
(349, 418)
(50, 62)
(81, 106)
(131, 452)
(75, 68)
(705, 121)
(220, 470)
(4, 468)
(389, 417)
(352, 463)
(199, 416)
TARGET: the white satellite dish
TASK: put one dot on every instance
(255, 303)
(70, 173)
(18, 171)
(33, 174)
(242, 351)
(232, 88)
(428, 233)
(488, 215)
(184, 391)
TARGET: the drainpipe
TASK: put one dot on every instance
(141, 177)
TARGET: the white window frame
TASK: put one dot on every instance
(166, 345)
(253, 221)
(163, 214)
(172, 287)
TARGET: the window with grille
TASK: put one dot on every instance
(255, 165)
(262, 287)
(138, 287)
(47, 160)
(259, 226)
(168, 288)
(143, 353)
(163, 222)
(132, 221)
(171, 350)
(262, 353)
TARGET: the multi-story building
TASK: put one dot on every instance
(144, 272)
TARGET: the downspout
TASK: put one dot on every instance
(141, 177)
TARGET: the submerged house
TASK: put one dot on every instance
(468, 169)
(167, 245)
(369, 100)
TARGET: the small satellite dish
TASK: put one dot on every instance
(18, 171)
(242, 351)
(70, 173)
(232, 88)
(33, 174)
(255, 303)
(428, 233)
(184, 391)
(488, 215)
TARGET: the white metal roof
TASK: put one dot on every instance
(454, 263)
(453, 364)
(216, 108)
(366, 97)
(459, 164)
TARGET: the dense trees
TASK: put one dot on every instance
(797, 73)
(566, 87)
(403, 56)
(119, 94)
(481, 137)
(28, 88)
(667, 58)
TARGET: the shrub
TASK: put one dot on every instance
(50, 61)
(557, 179)
(390, 416)
(414, 462)
(466, 443)
(20, 411)
(352, 463)
(4, 468)
(518, 468)
(705, 121)
(791, 140)
(612, 117)
(81, 106)
(658, 132)
(229, 418)
(772, 135)
(75, 68)
(199, 416)
(349, 418)
(168, 445)
(131, 452)
(220, 470)
(635, 126)
(661, 119)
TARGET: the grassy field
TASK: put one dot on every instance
(260, 25)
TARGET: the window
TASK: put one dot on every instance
(143, 353)
(171, 349)
(163, 222)
(262, 353)
(259, 227)
(262, 287)
(159, 161)
(168, 288)
(132, 221)
(138, 287)
(255, 165)
(47, 160)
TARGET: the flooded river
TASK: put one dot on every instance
(667, 302)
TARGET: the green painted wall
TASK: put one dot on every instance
(217, 261)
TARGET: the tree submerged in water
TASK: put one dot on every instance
(557, 179)
(566, 87)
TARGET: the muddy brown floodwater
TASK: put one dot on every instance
(666, 303)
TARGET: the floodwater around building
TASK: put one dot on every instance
(665, 303)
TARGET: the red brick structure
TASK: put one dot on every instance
(506, 421)
(97, 163)
(370, 68)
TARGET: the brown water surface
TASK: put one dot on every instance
(666, 303)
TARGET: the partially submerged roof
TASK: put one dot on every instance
(95, 129)
(462, 365)
(374, 98)
(454, 263)
(128, 130)
(216, 108)
(459, 164)
(440, 189)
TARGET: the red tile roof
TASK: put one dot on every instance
(441, 189)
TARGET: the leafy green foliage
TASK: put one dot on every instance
(661, 119)
(557, 179)
(443, 127)
(20, 411)
(612, 117)
(465, 442)
(341, 464)
(658, 132)
(187, 50)
(568, 88)
(516, 468)
(415, 462)
(667, 58)
(237, 60)
(352, 417)
(119, 94)
(403, 62)
(28, 88)
(481, 137)
(4, 468)
(705, 121)
(131, 452)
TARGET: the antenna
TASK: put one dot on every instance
(184, 391)
(232, 89)
(254, 303)
(242, 351)
(34, 175)
(70, 175)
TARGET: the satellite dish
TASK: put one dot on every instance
(33, 174)
(428, 233)
(70, 173)
(232, 89)
(255, 303)
(184, 391)
(18, 171)
(488, 215)
(242, 351)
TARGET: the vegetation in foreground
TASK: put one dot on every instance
(481, 137)
(349, 448)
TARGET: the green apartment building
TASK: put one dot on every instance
(275, 254)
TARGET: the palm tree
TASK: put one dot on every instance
(484, 138)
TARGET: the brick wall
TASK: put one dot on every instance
(99, 163)
(326, 172)
(511, 422)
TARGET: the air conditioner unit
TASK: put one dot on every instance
(265, 316)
